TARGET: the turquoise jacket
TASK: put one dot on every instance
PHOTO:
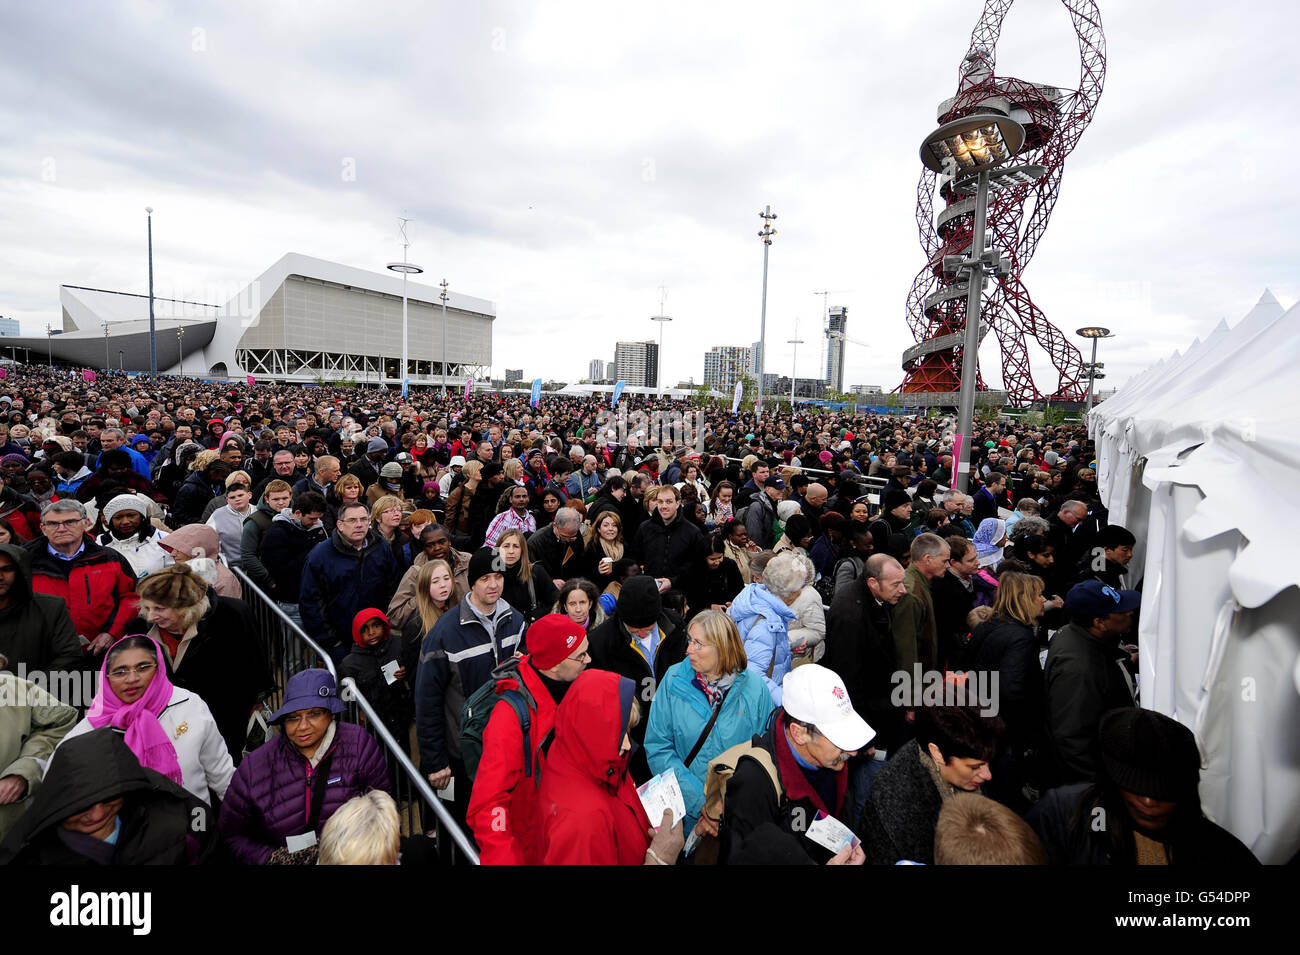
(677, 718)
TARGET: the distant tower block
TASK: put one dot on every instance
(836, 329)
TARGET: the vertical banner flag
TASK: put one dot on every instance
(537, 393)
(88, 375)
(251, 381)
(469, 386)
(4, 373)
(958, 440)
(735, 401)
(618, 393)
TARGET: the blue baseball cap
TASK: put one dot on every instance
(1092, 598)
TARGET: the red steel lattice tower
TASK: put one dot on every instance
(1053, 119)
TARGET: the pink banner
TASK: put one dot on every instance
(251, 381)
(88, 375)
(4, 373)
(957, 463)
(469, 386)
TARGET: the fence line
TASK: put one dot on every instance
(289, 650)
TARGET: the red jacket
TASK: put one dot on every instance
(97, 585)
(505, 804)
(23, 516)
(591, 814)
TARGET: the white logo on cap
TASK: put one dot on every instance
(572, 639)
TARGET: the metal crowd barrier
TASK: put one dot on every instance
(289, 650)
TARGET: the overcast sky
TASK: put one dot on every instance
(567, 160)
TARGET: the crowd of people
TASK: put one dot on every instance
(791, 619)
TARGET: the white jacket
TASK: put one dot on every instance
(145, 556)
(206, 766)
(810, 625)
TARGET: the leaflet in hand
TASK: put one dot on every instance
(830, 833)
(660, 793)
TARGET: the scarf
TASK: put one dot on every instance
(991, 530)
(714, 690)
(144, 735)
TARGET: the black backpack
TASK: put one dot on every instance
(478, 709)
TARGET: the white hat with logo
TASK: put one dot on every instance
(813, 694)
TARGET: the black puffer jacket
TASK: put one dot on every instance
(36, 630)
(668, 549)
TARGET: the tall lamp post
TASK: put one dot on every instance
(659, 365)
(1094, 332)
(153, 343)
(180, 347)
(443, 296)
(108, 365)
(975, 148)
(49, 343)
(794, 363)
(766, 233)
(405, 268)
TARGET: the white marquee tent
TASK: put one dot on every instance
(1199, 456)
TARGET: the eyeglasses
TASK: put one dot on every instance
(694, 644)
(583, 657)
(315, 716)
(63, 524)
(122, 672)
(355, 520)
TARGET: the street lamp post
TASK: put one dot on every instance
(659, 365)
(976, 147)
(49, 343)
(108, 365)
(794, 363)
(766, 233)
(1094, 332)
(121, 360)
(443, 296)
(180, 347)
(405, 268)
(153, 343)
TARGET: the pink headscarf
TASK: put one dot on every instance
(144, 736)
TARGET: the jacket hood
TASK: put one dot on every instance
(757, 601)
(23, 561)
(194, 540)
(87, 769)
(363, 617)
(590, 723)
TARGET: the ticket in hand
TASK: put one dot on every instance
(830, 833)
(660, 793)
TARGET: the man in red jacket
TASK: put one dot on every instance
(96, 583)
(503, 808)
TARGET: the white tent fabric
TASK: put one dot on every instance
(1199, 456)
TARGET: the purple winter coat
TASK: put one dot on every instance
(269, 796)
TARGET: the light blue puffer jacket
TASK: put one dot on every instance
(764, 623)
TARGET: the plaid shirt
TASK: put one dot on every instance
(505, 521)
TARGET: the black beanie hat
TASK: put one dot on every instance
(639, 603)
(895, 498)
(484, 561)
(1149, 754)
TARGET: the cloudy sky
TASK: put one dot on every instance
(567, 160)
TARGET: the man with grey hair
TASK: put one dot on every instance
(111, 439)
(915, 631)
(97, 584)
(585, 479)
(559, 547)
(958, 506)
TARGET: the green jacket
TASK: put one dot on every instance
(31, 724)
(915, 635)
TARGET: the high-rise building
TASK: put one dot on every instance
(514, 374)
(637, 363)
(835, 332)
(724, 365)
(9, 328)
(609, 371)
(596, 370)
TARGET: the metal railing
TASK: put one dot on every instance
(289, 650)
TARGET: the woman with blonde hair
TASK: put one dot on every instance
(704, 705)
(435, 594)
(528, 587)
(458, 501)
(386, 519)
(211, 644)
(365, 830)
(513, 469)
(1007, 646)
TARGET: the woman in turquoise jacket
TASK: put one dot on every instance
(712, 677)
